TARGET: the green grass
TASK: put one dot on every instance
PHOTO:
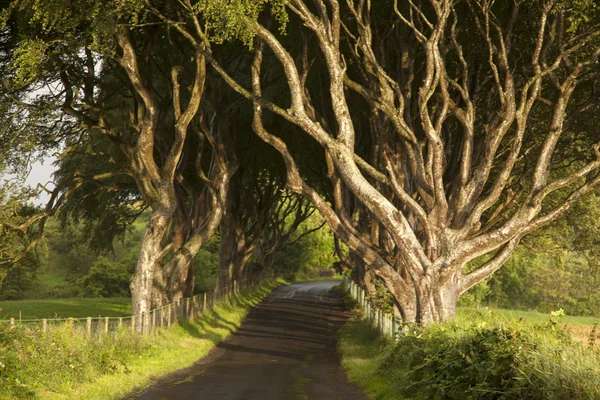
(50, 278)
(528, 316)
(362, 350)
(64, 308)
(579, 327)
(66, 366)
(469, 352)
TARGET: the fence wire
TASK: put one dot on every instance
(162, 317)
(387, 324)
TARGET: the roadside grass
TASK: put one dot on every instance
(362, 350)
(483, 354)
(64, 308)
(61, 365)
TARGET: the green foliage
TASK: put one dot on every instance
(206, 265)
(49, 360)
(20, 277)
(234, 19)
(558, 267)
(17, 231)
(579, 12)
(64, 363)
(106, 279)
(312, 252)
(481, 357)
(104, 209)
(28, 57)
(65, 266)
(71, 23)
(29, 361)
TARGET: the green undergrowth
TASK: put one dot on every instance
(61, 365)
(482, 356)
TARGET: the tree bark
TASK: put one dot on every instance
(143, 288)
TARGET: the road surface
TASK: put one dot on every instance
(284, 350)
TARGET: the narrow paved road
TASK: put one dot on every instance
(285, 349)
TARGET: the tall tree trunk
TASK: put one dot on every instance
(430, 298)
(142, 285)
(183, 285)
(227, 254)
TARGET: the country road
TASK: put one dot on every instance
(284, 349)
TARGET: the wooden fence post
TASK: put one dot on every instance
(132, 327)
(153, 320)
(12, 322)
(120, 322)
(169, 315)
(88, 326)
(44, 325)
(204, 304)
(105, 324)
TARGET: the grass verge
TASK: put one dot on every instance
(480, 355)
(60, 365)
(362, 349)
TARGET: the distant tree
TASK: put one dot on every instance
(19, 260)
(106, 279)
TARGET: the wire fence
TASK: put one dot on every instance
(387, 324)
(162, 317)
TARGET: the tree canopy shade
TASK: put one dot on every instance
(473, 108)
(450, 128)
(140, 125)
(106, 79)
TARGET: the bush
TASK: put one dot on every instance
(29, 361)
(498, 360)
(20, 278)
(106, 279)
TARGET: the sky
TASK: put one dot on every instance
(41, 173)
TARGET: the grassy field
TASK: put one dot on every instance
(77, 368)
(50, 277)
(530, 316)
(63, 308)
(580, 327)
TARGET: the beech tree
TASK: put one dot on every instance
(102, 76)
(470, 104)
(450, 128)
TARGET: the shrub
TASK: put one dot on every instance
(493, 360)
(29, 361)
(106, 279)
